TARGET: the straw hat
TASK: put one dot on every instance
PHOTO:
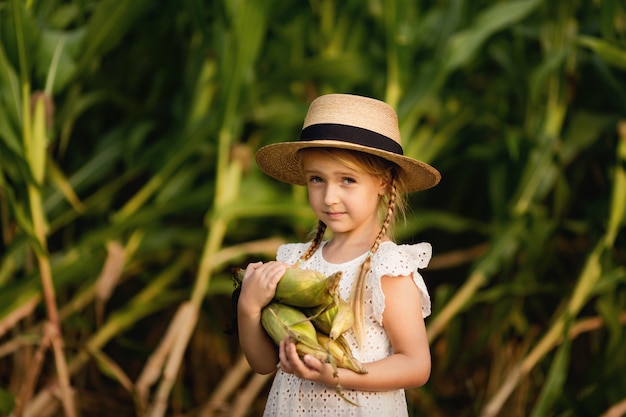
(346, 121)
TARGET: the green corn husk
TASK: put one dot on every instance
(322, 316)
(334, 319)
(341, 353)
(343, 320)
(302, 287)
(307, 288)
(280, 320)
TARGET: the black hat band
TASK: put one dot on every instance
(350, 134)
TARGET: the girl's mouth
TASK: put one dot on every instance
(334, 215)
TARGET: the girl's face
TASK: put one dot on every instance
(344, 197)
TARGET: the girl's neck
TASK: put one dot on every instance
(343, 248)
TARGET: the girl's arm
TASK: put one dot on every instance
(407, 367)
(257, 290)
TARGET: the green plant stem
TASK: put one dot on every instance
(34, 143)
(393, 87)
(217, 230)
(589, 277)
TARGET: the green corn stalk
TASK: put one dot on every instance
(35, 141)
(142, 305)
(250, 26)
(588, 278)
(539, 177)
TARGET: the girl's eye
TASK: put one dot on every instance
(315, 179)
(348, 180)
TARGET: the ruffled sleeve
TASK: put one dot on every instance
(291, 252)
(400, 260)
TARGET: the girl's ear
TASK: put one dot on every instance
(385, 182)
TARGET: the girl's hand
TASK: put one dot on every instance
(259, 285)
(310, 368)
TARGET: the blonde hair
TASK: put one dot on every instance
(391, 203)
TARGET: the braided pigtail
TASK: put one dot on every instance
(315, 243)
(357, 296)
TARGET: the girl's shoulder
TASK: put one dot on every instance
(402, 258)
(291, 252)
(395, 260)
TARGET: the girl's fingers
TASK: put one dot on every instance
(278, 274)
(289, 358)
(273, 272)
(283, 349)
(269, 274)
(311, 368)
(259, 283)
(252, 267)
(313, 363)
(308, 369)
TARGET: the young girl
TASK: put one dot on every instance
(350, 158)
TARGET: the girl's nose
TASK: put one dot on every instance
(330, 195)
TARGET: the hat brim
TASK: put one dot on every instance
(282, 161)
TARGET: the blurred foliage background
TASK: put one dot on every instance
(128, 191)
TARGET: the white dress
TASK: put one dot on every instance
(291, 396)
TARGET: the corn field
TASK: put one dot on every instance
(128, 193)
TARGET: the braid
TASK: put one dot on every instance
(357, 297)
(315, 243)
(391, 206)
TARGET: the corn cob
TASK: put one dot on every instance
(341, 353)
(322, 316)
(343, 320)
(302, 287)
(333, 319)
(281, 320)
(306, 288)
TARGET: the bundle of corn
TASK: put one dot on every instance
(308, 308)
